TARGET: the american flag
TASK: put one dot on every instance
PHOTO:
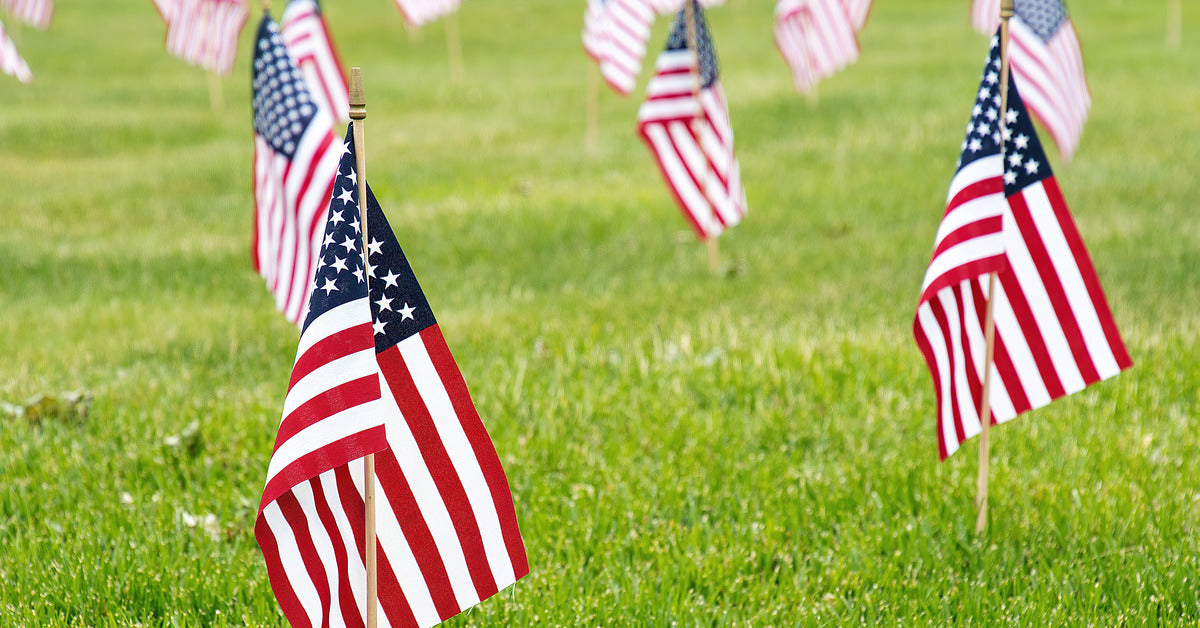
(418, 12)
(858, 10)
(1054, 333)
(447, 528)
(204, 33)
(1048, 63)
(11, 62)
(685, 121)
(36, 13)
(615, 34)
(295, 162)
(307, 39)
(816, 38)
(670, 7)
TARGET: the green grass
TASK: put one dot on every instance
(753, 450)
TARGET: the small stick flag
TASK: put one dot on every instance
(373, 375)
(1005, 214)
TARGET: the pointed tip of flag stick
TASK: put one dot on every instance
(266, 5)
(358, 95)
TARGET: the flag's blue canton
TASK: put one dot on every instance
(1024, 160)
(983, 131)
(398, 305)
(339, 278)
(1044, 17)
(707, 56)
(282, 105)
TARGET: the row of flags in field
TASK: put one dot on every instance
(817, 38)
(373, 375)
(685, 119)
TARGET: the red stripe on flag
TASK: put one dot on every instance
(328, 403)
(955, 418)
(1048, 275)
(332, 347)
(320, 460)
(481, 444)
(1028, 325)
(280, 584)
(441, 467)
(978, 189)
(1084, 261)
(416, 532)
(290, 508)
(970, 231)
(392, 601)
(979, 303)
(346, 598)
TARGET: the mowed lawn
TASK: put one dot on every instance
(751, 449)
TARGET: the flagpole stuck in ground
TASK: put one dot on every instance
(358, 115)
(985, 406)
(714, 248)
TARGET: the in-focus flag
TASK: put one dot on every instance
(11, 62)
(816, 38)
(447, 528)
(204, 33)
(418, 12)
(306, 36)
(37, 13)
(1054, 332)
(685, 122)
(295, 162)
(615, 34)
(1047, 62)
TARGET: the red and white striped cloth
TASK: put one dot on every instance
(685, 122)
(37, 13)
(1047, 60)
(418, 12)
(816, 37)
(1005, 214)
(295, 163)
(11, 62)
(204, 33)
(859, 11)
(615, 34)
(307, 38)
(447, 529)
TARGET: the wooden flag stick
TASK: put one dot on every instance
(985, 409)
(714, 249)
(1174, 24)
(454, 48)
(358, 116)
(989, 326)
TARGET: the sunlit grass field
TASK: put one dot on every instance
(755, 448)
